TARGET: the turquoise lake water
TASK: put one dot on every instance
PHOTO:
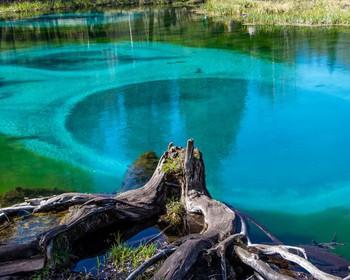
(83, 95)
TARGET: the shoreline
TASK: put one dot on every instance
(282, 12)
(316, 13)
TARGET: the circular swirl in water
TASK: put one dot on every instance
(124, 122)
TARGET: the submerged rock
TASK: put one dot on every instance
(140, 171)
(19, 195)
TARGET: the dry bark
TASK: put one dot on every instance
(224, 237)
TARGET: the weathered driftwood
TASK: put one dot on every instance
(221, 250)
(258, 265)
(89, 213)
(283, 251)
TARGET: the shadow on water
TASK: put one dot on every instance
(76, 61)
(4, 83)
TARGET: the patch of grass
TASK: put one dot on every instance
(62, 252)
(27, 6)
(42, 274)
(283, 12)
(48, 5)
(126, 258)
(172, 166)
(62, 258)
(175, 213)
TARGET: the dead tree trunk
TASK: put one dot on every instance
(222, 250)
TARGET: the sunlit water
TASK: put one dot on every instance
(82, 96)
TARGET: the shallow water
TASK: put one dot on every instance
(82, 95)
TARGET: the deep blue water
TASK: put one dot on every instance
(270, 109)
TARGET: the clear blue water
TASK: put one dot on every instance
(270, 109)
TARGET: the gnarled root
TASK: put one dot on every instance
(223, 248)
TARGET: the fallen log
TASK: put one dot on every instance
(222, 250)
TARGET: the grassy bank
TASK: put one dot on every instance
(282, 12)
(264, 12)
(11, 7)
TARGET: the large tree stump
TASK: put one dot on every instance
(221, 250)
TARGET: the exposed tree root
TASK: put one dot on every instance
(261, 267)
(283, 251)
(180, 173)
(150, 262)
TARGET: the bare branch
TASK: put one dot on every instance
(261, 227)
(281, 250)
(151, 261)
(258, 265)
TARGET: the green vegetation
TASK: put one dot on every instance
(282, 12)
(125, 258)
(197, 154)
(175, 213)
(172, 166)
(42, 274)
(28, 6)
(61, 252)
(62, 257)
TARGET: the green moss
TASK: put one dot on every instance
(172, 166)
(197, 154)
